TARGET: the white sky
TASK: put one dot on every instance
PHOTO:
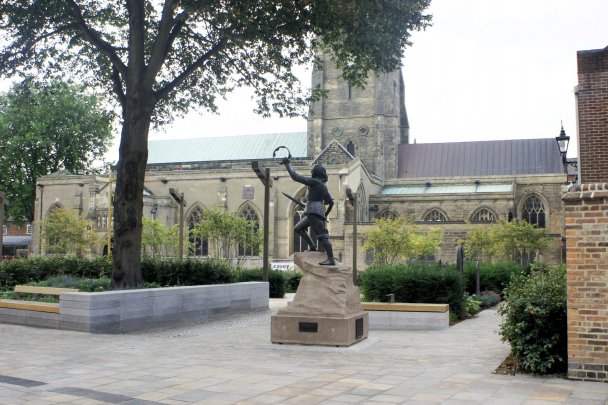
(485, 70)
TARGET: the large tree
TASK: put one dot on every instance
(165, 56)
(44, 128)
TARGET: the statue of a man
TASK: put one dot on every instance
(315, 212)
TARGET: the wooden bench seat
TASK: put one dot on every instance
(51, 307)
(404, 307)
(30, 305)
(31, 289)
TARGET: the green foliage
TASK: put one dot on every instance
(514, 240)
(45, 128)
(478, 242)
(292, 280)
(159, 240)
(276, 279)
(492, 276)
(488, 299)
(472, 304)
(64, 232)
(37, 268)
(225, 231)
(534, 320)
(395, 241)
(81, 283)
(415, 283)
(180, 272)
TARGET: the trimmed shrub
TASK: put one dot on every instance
(415, 283)
(492, 276)
(292, 280)
(180, 272)
(534, 320)
(37, 268)
(276, 279)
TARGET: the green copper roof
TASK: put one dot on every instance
(242, 147)
(447, 189)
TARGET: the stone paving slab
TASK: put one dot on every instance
(231, 361)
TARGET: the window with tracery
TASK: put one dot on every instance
(435, 215)
(483, 215)
(388, 214)
(250, 247)
(197, 246)
(533, 212)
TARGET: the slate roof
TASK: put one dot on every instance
(480, 158)
(447, 189)
(243, 147)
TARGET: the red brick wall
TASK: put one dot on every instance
(586, 214)
(592, 97)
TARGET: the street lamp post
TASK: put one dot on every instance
(563, 142)
(179, 198)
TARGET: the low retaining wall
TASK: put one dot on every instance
(129, 310)
(407, 316)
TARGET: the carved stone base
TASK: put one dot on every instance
(326, 309)
(321, 331)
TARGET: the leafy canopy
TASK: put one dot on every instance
(396, 241)
(66, 233)
(190, 52)
(45, 128)
(159, 240)
(225, 231)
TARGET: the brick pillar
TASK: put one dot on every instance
(586, 214)
(592, 104)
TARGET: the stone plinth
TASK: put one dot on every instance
(326, 309)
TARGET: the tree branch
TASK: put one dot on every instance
(161, 93)
(95, 39)
(161, 43)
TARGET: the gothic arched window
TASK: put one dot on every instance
(435, 215)
(534, 212)
(250, 247)
(198, 246)
(484, 215)
(388, 214)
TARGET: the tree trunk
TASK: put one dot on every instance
(128, 196)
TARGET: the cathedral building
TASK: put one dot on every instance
(361, 137)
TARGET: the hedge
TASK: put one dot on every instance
(276, 279)
(492, 276)
(415, 283)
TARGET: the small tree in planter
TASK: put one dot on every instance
(158, 239)
(64, 232)
(395, 241)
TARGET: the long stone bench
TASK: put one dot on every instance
(398, 315)
(36, 306)
(129, 310)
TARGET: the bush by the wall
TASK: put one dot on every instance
(292, 280)
(492, 276)
(161, 272)
(415, 283)
(534, 320)
(276, 279)
(180, 272)
(37, 268)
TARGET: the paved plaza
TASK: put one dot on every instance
(232, 361)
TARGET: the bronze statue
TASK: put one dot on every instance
(314, 211)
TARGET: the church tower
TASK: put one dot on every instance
(369, 123)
